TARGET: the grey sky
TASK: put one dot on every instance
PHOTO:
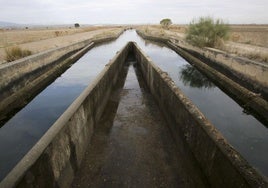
(127, 11)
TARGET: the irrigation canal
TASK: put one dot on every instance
(23, 130)
(132, 145)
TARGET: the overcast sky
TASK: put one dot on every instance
(130, 11)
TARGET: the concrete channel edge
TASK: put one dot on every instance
(248, 73)
(59, 152)
(221, 163)
(21, 80)
(54, 159)
(252, 102)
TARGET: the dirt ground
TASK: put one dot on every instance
(250, 34)
(247, 34)
(37, 40)
(250, 41)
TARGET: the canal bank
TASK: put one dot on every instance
(251, 102)
(23, 79)
(248, 73)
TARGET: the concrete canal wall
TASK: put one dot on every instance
(55, 158)
(53, 161)
(252, 102)
(23, 79)
(250, 74)
(249, 100)
(222, 165)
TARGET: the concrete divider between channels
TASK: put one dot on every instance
(221, 163)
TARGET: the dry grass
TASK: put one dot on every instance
(105, 33)
(20, 36)
(250, 34)
(248, 40)
(178, 28)
(253, 38)
(246, 34)
(15, 53)
(258, 56)
(41, 39)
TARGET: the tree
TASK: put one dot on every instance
(166, 22)
(76, 25)
(190, 76)
(207, 32)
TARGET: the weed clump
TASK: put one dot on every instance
(207, 32)
(15, 53)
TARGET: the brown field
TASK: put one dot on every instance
(20, 36)
(246, 34)
(250, 41)
(40, 39)
(250, 34)
(246, 40)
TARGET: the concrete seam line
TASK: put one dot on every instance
(29, 159)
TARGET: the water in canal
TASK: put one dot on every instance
(242, 131)
(132, 145)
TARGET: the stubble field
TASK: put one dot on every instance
(41, 39)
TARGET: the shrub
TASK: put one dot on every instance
(57, 33)
(76, 25)
(166, 22)
(207, 32)
(15, 53)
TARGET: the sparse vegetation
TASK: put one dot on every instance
(165, 23)
(146, 29)
(20, 36)
(57, 33)
(235, 37)
(258, 56)
(207, 32)
(15, 53)
(105, 33)
(162, 33)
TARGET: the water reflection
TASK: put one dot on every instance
(190, 76)
(149, 43)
